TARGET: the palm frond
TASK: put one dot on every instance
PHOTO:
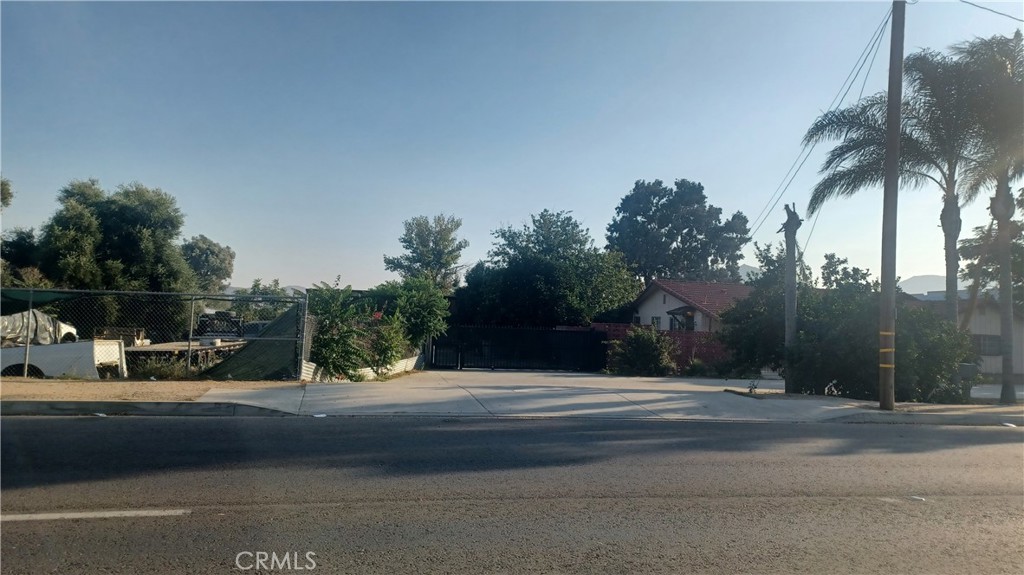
(845, 182)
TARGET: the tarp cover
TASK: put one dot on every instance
(16, 300)
(41, 328)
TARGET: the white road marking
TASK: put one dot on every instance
(95, 514)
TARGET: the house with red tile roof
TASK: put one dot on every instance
(673, 305)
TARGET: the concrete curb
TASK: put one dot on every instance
(905, 418)
(147, 408)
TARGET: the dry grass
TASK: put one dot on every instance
(105, 390)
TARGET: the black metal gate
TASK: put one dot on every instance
(492, 347)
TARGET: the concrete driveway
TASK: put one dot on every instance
(544, 394)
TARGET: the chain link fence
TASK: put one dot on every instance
(144, 335)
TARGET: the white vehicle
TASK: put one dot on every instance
(89, 359)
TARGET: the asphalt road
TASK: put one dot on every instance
(431, 495)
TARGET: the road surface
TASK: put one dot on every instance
(479, 495)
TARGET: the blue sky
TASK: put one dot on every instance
(303, 134)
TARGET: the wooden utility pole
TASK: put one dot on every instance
(887, 311)
(790, 227)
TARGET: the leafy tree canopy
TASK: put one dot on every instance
(124, 240)
(675, 233)
(432, 250)
(422, 306)
(260, 309)
(6, 194)
(550, 235)
(211, 262)
(545, 273)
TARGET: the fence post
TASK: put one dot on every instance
(303, 318)
(191, 325)
(28, 332)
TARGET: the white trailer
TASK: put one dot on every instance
(88, 359)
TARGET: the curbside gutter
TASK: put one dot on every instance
(147, 408)
(910, 418)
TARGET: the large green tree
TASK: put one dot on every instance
(939, 144)
(262, 302)
(432, 250)
(6, 194)
(211, 262)
(545, 273)
(19, 256)
(549, 235)
(675, 233)
(126, 240)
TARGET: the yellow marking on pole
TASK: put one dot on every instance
(887, 349)
(887, 333)
(888, 365)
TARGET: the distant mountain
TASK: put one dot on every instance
(746, 270)
(925, 284)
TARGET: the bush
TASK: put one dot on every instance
(698, 368)
(385, 343)
(837, 339)
(336, 347)
(644, 351)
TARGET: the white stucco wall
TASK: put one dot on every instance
(985, 321)
(658, 304)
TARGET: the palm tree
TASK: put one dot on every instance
(937, 140)
(997, 64)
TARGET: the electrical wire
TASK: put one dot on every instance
(837, 101)
(992, 11)
(878, 44)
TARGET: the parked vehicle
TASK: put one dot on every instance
(42, 329)
(89, 359)
(219, 324)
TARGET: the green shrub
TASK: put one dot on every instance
(698, 368)
(385, 343)
(336, 343)
(837, 339)
(644, 351)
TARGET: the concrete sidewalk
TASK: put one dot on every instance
(556, 394)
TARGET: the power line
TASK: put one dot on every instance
(874, 54)
(992, 11)
(844, 90)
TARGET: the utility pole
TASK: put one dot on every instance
(887, 308)
(792, 224)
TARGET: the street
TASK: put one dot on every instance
(484, 495)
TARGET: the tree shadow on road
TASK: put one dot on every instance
(48, 451)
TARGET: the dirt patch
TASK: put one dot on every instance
(17, 388)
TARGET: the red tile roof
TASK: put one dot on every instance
(711, 298)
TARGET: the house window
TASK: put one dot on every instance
(656, 322)
(987, 344)
(674, 324)
(636, 320)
